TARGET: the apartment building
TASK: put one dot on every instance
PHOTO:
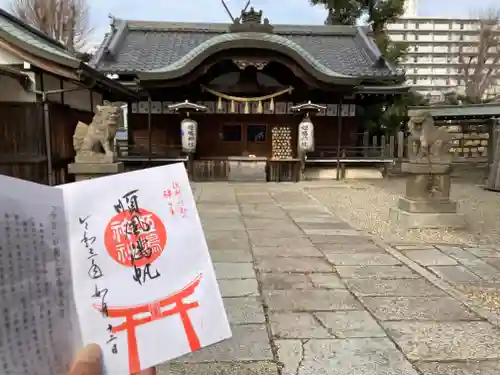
(432, 61)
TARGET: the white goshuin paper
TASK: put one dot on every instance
(184, 259)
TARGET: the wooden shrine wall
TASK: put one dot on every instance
(165, 132)
(23, 152)
(165, 129)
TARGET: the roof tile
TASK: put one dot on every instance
(22, 33)
(150, 46)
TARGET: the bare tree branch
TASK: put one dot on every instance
(478, 61)
(67, 21)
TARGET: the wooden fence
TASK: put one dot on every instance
(467, 146)
(22, 141)
(209, 170)
(23, 147)
(220, 170)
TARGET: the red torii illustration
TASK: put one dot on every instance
(155, 309)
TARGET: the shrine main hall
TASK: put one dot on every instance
(277, 98)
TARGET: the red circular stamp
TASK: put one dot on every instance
(135, 239)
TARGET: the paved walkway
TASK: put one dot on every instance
(308, 294)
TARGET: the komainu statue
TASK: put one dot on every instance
(432, 142)
(94, 142)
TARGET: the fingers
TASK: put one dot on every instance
(149, 371)
(88, 361)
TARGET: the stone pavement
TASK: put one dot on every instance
(308, 294)
(456, 264)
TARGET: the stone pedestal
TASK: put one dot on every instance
(87, 171)
(94, 158)
(427, 203)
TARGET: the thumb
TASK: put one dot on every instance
(88, 361)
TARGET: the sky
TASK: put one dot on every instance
(295, 11)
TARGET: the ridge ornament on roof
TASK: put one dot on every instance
(248, 21)
(339, 55)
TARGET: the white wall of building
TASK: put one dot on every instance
(49, 83)
(78, 99)
(7, 58)
(10, 88)
(12, 91)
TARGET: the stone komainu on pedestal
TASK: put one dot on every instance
(432, 142)
(94, 145)
(427, 203)
(94, 142)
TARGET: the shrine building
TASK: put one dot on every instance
(218, 96)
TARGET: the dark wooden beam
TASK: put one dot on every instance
(221, 63)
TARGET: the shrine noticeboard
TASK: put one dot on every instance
(125, 263)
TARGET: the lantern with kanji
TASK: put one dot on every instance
(306, 135)
(189, 127)
(189, 133)
(305, 139)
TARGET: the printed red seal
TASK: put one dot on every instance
(139, 235)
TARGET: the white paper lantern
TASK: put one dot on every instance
(306, 135)
(189, 134)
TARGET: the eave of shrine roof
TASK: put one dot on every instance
(27, 38)
(267, 41)
(135, 47)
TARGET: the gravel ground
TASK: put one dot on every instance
(366, 205)
(487, 297)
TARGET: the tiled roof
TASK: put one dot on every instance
(147, 47)
(33, 40)
(41, 46)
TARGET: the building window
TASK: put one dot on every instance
(231, 133)
(256, 133)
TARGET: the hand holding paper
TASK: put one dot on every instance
(88, 362)
(137, 279)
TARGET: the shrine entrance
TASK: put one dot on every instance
(246, 139)
(247, 88)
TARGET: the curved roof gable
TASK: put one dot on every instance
(166, 49)
(243, 40)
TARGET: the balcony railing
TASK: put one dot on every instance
(159, 152)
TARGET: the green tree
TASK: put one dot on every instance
(393, 117)
(341, 12)
(377, 13)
